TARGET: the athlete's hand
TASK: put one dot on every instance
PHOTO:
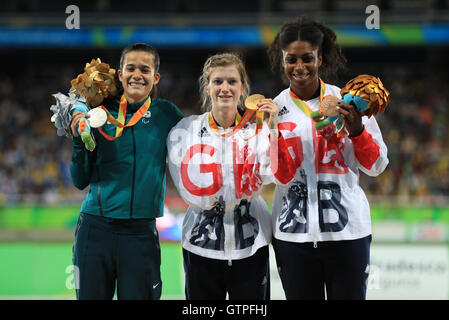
(75, 121)
(352, 119)
(271, 112)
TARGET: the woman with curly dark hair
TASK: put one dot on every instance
(321, 219)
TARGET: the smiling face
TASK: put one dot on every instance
(138, 75)
(301, 62)
(225, 88)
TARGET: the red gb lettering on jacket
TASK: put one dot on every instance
(247, 177)
(214, 168)
(329, 151)
(294, 143)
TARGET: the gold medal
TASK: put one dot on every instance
(252, 101)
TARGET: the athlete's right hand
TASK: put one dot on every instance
(75, 121)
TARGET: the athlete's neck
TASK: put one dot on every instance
(224, 119)
(131, 99)
(309, 92)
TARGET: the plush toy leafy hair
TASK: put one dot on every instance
(365, 92)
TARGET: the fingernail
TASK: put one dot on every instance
(338, 102)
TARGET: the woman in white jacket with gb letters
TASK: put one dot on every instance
(321, 220)
(219, 162)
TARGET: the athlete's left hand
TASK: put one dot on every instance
(352, 119)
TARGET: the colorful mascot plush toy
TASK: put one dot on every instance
(365, 92)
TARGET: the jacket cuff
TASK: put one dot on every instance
(365, 149)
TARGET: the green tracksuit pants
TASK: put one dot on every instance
(122, 254)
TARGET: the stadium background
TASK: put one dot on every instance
(39, 206)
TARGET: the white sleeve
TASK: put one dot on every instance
(370, 149)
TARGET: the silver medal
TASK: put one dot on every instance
(97, 117)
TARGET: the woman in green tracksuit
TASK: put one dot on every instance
(116, 241)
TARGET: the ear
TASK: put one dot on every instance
(282, 65)
(119, 73)
(283, 55)
(320, 60)
(157, 77)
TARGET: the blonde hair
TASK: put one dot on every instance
(222, 60)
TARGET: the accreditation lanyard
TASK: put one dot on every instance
(302, 105)
(120, 121)
(239, 123)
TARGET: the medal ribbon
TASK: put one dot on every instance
(239, 123)
(120, 121)
(302, 105)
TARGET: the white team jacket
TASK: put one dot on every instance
(324, 200)
(221, 179)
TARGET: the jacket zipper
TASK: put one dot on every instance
(314, 181)
(160, 191)
(228, 216)
(134, 174)
(99, 190)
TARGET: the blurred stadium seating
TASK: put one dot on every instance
(34, 161)
(409, 53)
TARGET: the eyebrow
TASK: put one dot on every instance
(302, 55)
(141, 66)
(225, 79)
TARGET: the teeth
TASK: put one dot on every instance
(300, 76)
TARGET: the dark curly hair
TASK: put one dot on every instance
(315, 33)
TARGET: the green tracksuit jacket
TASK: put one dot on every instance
(126, 175)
